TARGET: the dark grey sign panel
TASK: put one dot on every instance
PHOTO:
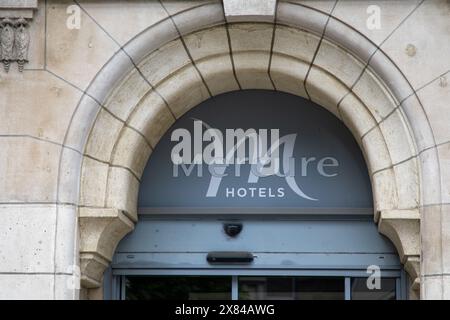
(256, 149)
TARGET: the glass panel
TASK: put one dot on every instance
(360, 290)
(177, 288)
(320, 288)
(291, 288)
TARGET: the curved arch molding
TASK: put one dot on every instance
(179, 62)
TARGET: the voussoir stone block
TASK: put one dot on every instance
(250, 45)
(161, 63)
(251, 36)
(338, 62)
(127, 95)
(381, 65)
(218, 74)
(151, 39)
(208, 42)
(352, 40)
(252, 70)
(122, 191)
(419, 123)
(183, 90)
(94, 175)
(305, 18)
(296, 43)
(106, 125)
(131, 151)
(325, 90)
(407, 177)
(372, 93)
(151, 117)
(376, 151)
(205, 15)
(398, 140)
(288, 74)
(210, 50)
(384, 191)
(82, 120)
(356, 116)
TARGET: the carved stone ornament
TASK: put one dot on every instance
(7, 42)
(21, 42)
(14, 42)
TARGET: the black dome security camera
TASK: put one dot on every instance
(232, 229)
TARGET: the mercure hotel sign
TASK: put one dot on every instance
(260, 149)
(256, 149)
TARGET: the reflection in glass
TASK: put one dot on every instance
(177, 288)
(291, 288)
(360, 290)
(254, 288)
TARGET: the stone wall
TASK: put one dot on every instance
(102, 81)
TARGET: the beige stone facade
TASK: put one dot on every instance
(104, 80)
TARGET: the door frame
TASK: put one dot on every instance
(114, 288)
(114, 276)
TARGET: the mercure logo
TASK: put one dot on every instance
(225, 152)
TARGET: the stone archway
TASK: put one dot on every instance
(178, 63)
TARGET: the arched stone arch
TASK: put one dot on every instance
(179, 62)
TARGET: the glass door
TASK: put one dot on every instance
(291, 288)
(256, 288)
(177, 288)
(293, 258)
